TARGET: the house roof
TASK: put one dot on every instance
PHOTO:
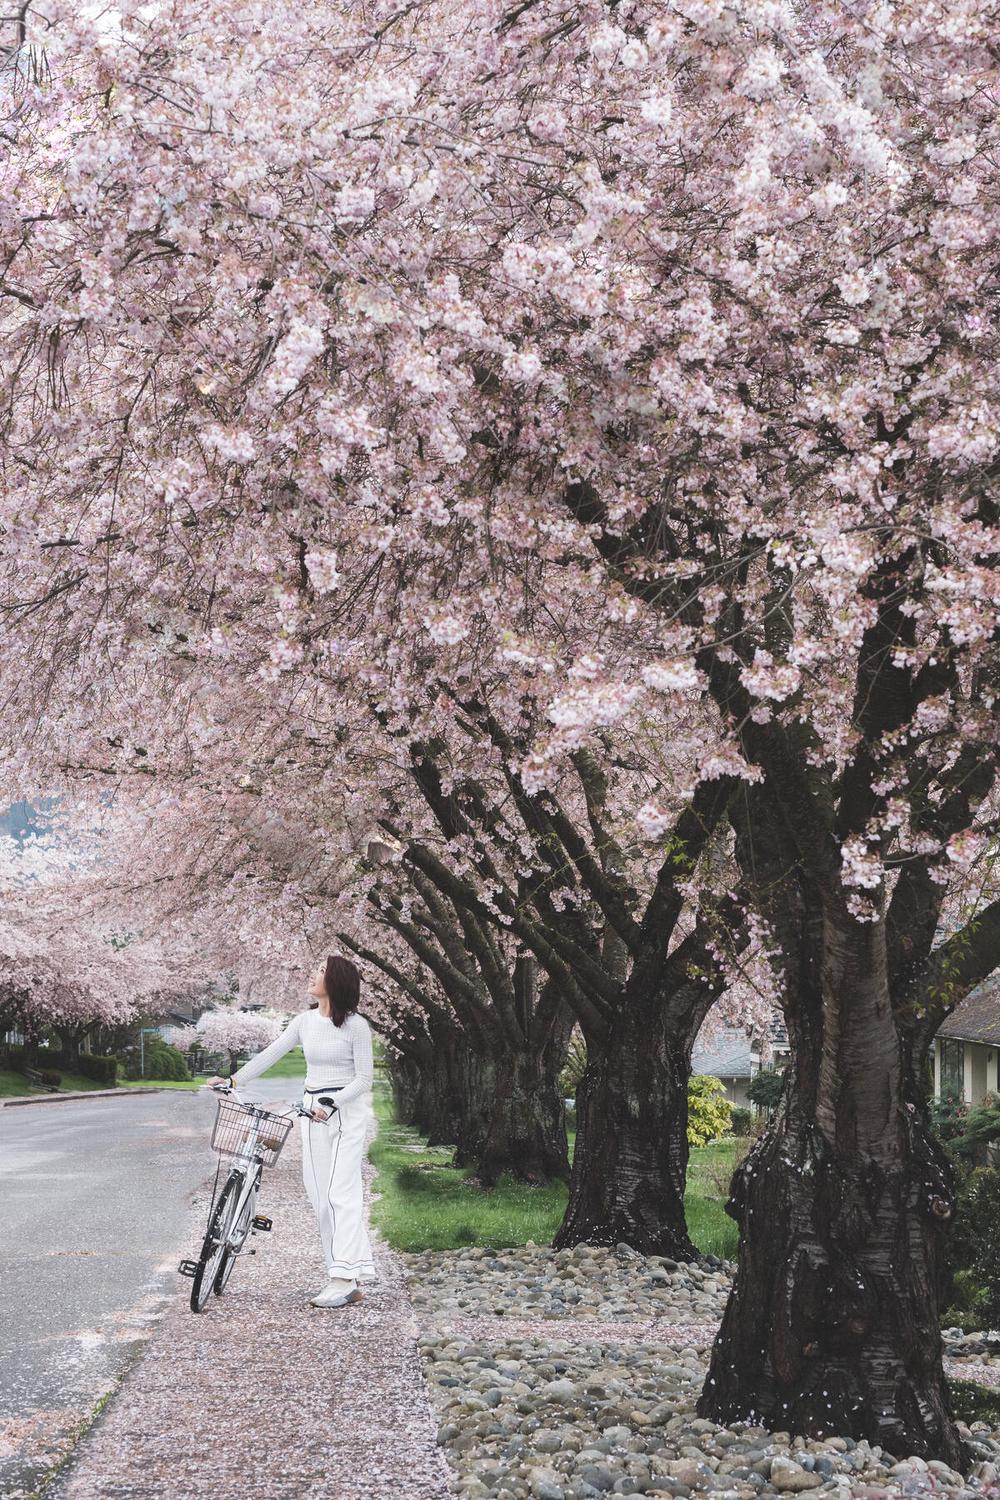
(977, 1018)
(732, 1052)
(723, 1054)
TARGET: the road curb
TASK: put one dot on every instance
(80, 1094)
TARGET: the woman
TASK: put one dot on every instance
(338, 1046)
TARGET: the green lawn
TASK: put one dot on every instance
(709, 1226)
(426, 1204)
(161, 1083)
(14, 1085)
(292, 1065)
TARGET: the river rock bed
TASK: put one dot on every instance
(982, 1348)
(556, 1419)
(588, 1281)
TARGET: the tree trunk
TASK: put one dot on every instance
(501, 1111)
(630, 1162)
(513, 1117)
(434, 1105)
(404, 1080)
(832, 1326)
(70, 1038)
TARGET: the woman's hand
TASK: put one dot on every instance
(211, 1082)
(322, 1114)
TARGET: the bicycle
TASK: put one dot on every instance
(253, 1136)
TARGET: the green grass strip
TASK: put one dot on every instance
(427, 1204)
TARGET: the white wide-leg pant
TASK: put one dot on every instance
(332, 1153)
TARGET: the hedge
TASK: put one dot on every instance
(101, 1069)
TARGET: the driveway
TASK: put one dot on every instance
(96, 1197)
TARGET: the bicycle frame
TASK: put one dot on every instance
(231, 1218)
(249, 1163)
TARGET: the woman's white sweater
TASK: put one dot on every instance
(335, 1055)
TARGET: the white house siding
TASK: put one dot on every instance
(979, 1060)
(736, 1091)
(971, 1064)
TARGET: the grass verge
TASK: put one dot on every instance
(14, 1085)
(161, 1083)
(427, 1204)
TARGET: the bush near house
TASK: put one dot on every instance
(973, 1246)
(981, 1130)
(974, 1253)
(949, 1115)
(103, 1070)
(710, 1113)
(159, 1059)
(766, 1089)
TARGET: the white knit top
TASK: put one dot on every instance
(335, 1055)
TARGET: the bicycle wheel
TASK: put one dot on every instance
(216, 1240)
(237, 1240)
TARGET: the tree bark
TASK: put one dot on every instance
(438, 1109)
(630, 1162)
(514, 1119)
(501, 1110)
(832, 1326)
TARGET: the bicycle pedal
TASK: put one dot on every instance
(261, 1221)
(188, 1267)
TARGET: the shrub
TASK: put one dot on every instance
(949, 1115)
(742, 1120)
(956, 1317)
(51, 1079)
(973, 1251)
(982, 1197)
(709, 1111)
(16, 1057)
(766, 1089)
(576, 1062)
(103, 1070)
(980, 1129)
(161, 1061)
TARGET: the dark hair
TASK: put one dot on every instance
(343, 986)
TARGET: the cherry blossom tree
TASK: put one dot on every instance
(361, 342)
(233, 1031)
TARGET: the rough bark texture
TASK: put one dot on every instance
(514, 1118)
(833, 1324)
(425, 1096)
(502, 1111)
(630, 1161)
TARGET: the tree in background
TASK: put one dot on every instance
(235, 1032)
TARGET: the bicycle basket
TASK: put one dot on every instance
(234, 1131)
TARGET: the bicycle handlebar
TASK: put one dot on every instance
(296, 1108)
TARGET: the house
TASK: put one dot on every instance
(966, 1051)
(734, 1056)
(967, 1046)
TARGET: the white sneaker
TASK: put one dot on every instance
(337, 1293)
(334, 1285)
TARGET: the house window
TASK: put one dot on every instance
(952, 1066)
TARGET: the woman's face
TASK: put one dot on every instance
(318, 986)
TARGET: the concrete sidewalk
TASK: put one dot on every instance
(81, 1094)
(263, 1395)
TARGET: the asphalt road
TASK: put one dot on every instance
(96, 1198)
